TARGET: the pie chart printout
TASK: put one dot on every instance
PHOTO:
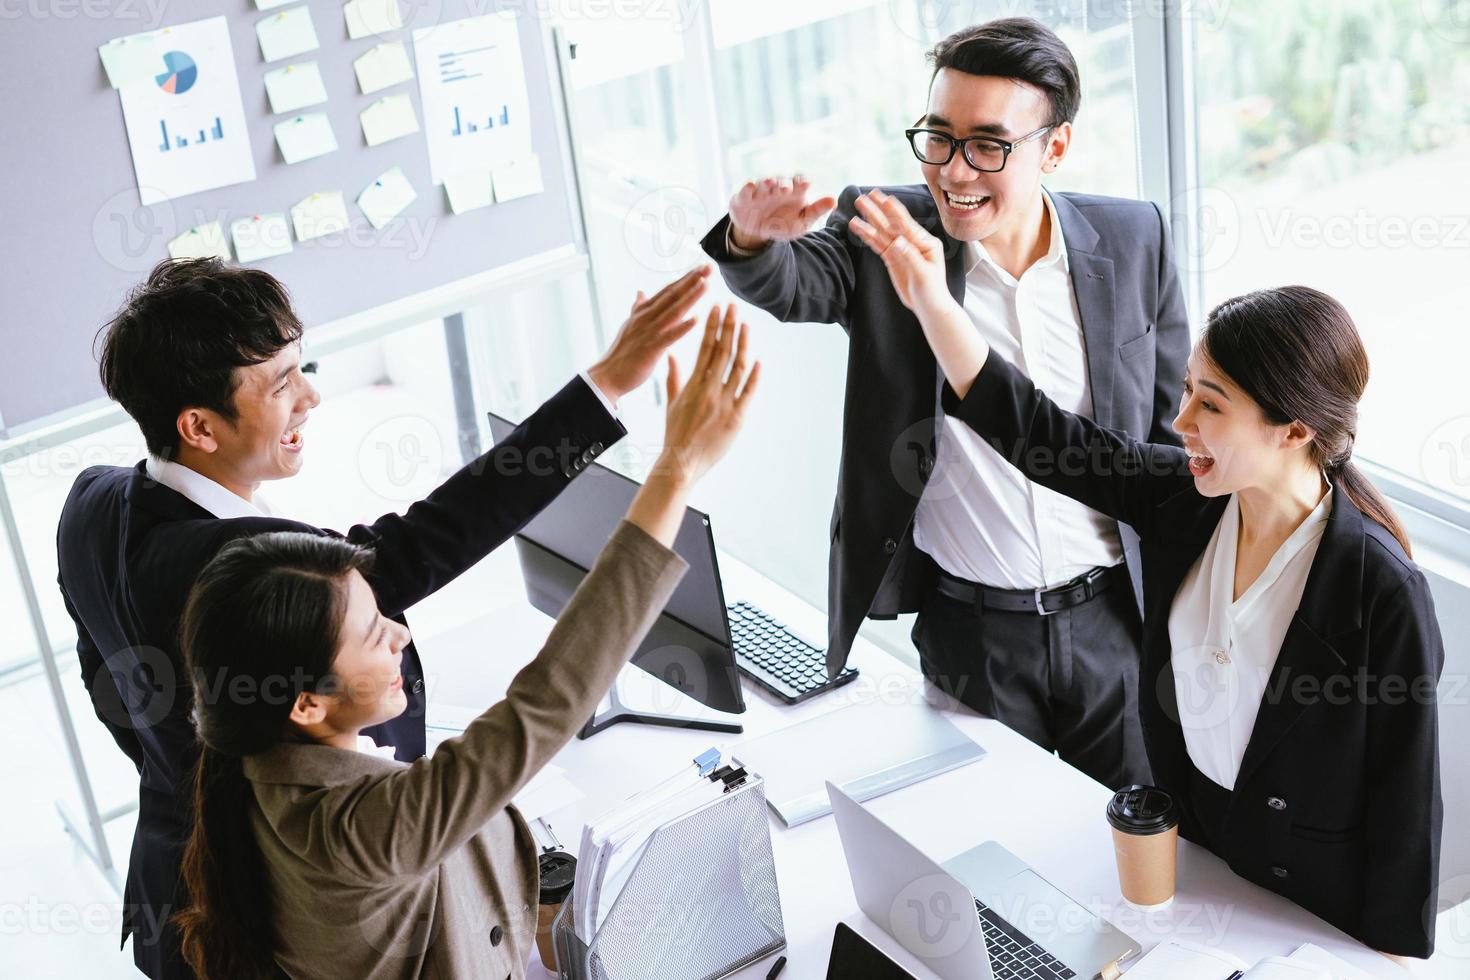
(181, 74)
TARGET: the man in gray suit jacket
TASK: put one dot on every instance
(1029, 604)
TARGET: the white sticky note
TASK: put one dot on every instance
(384, 65)
(304, 137)
(388, 119)
(260, 237)
(519, 178)
(323, 213)
(469, 191)
(286, 34)
(203, 242)
(130, 59)
(295, 87)
(271, 4)
(384, 198)
(366, 17)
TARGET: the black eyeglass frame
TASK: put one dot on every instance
(1006, 146)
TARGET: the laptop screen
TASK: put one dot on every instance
(853, 956)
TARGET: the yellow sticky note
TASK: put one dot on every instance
(386, 197)
(295, 87)
(388, 119)
(135, 58)
(305, 137)
(384, 65)
(366, 17)
(469, 191)
(203, 242)
(260, 236)
(323, 213)
(518, 178)
(286, 34)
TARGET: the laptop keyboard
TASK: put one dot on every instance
(778, 659)
(1012, 955)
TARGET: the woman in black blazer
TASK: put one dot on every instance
(1331, 792)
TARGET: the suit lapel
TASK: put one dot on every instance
(1092, 284)
(1329, 607)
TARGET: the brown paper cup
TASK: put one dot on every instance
(1145, 824)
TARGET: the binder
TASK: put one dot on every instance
(699, 899)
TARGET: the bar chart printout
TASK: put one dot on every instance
(472, 83)
(186, 125)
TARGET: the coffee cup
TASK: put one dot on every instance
(1145, 822)
(558, 868)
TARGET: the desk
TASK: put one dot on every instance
(1045, 811)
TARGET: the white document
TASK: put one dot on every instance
(388, 119)
(203, 242)
(473, 86)
(304, 137)
(386, 197)
(186, 127)
(323, 213)
(466, 192)
(295, 87)
(260, 236)
(384, 65)
(136, 58)
(366, 17)
(286, 34)
(518, 178)
(1175, 959)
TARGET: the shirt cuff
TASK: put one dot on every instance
(601, 395)
(739, 251)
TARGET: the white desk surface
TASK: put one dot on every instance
(1037, 806)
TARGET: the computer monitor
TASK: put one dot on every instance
(689, 646)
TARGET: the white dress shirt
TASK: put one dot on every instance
(212, 496)
(979, 517)
(1223, 649)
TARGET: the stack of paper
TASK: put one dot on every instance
(1176, 959)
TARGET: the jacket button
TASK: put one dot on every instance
(889, 546)
(496, 935)
(1280, 872)
(926, 466)
(418, 686)
(1276, 803)
(597, 448)
(578, 464)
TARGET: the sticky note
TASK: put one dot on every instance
(295, 87)
(384, 65)
(469, 191)
(271, 4)
(320, 214)
(304, 137)
(388, 119)
(260, 237)
(384, 198)
(203, 242)
(518, 178)
(366, 17)
(132, 59)
(286, 34)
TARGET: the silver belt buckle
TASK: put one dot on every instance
(1041, 610)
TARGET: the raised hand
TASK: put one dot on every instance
(705, 413)
(914, 258)
(774, 209)
(652, 326)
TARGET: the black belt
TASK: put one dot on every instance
(1043, 602)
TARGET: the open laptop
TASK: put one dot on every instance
(982, 915)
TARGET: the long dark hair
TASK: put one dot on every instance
(1296, 352)
(261, 625)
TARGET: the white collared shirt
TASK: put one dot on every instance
(1224, 649)
(203, 491)
(979, 517)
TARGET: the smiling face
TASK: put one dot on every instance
(974, 205)
(369, 682)
(1231, 444)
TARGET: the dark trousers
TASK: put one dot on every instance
(1067, 681)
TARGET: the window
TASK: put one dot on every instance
(1333, 138)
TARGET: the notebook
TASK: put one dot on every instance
(1176, 959)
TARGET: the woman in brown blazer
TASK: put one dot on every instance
(313, 858)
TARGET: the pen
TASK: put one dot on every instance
(1235, 976)
(776, 970)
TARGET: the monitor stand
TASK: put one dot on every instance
(618, 712)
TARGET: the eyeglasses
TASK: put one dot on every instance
(985, 153)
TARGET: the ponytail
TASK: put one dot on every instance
(1366, 498)
(226, 929)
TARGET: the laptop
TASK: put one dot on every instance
(983, 915)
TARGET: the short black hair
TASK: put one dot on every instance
(1019, 48)
(177, 340)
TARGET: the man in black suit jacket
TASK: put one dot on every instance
(1026, 609)
(206, 359)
